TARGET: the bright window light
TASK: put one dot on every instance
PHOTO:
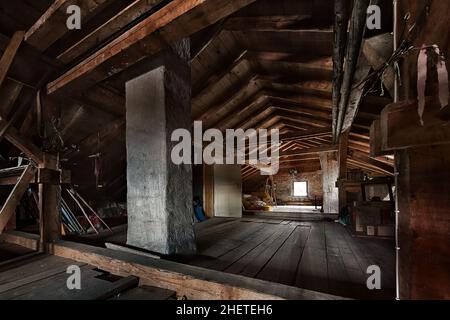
(300, 189)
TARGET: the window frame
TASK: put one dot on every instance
(307, 189)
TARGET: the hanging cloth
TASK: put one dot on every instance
(422, 72)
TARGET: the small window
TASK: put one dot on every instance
(300, 189)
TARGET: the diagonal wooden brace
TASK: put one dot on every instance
(13, 200)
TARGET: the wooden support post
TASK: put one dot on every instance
(49, 203)
(341, 10)
(342, 153)
(208, 190)
(424, 215)
(342, 162)
(330, 173)
(422, 155)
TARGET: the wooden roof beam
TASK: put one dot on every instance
(268, 121)
(265, 104)
(104, 135)
(290, 40)
(259, 101)
(302, 166)
(283, 117)
(243, 94)
(274, 99)
(114, 24)
(319, 65)
(308, 151)
(362, 157)
(22, 143)
(320, 88)
(52, 24)
(358, 164)
(173, 22)
(298, 136)
(303, 110)
(262, 23)
(303, 104)
(202, 39)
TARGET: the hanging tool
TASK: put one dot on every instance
(97, 164)
(82, 210)
(71, 216)
(90, 208)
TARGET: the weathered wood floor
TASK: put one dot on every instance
(11, 251)
(44, 277)
(316, 255)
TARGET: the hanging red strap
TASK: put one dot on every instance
(422, 72)
(98, 170)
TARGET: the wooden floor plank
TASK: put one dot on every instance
(333, 235)
(218, 226)
(300, 224)
(43, 267)
(55, 287)
(313, 268)
(10, 251)
(317, 255)
(358, 251)
(145, 293)
(282, 268)
(258, 220)
(312, 271)
(380, 255)
(218, 248)
(268, 250)
(317, 236)
(223, 241)
(223, 262)
(249, 258)
(365, 255)
(338, 279)
(19, 261)
(234, 231)
(245, 230)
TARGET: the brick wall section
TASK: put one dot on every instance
(285, 185)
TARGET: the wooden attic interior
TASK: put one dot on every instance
(86, 178)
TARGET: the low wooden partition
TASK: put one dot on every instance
(27, 240)
(187, 281)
